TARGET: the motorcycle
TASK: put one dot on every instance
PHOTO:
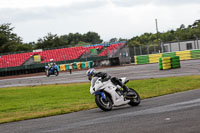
(53, 70)
(108, 95)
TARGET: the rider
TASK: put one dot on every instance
(105, 77)
(51, 63)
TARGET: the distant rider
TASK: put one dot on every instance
(105, 77)
(51, 64)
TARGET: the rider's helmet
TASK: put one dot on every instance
(90, 73)
(51, 62)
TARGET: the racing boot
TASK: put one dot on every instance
(128, 92)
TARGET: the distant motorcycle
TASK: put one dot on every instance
(53, 70)
(108, 95)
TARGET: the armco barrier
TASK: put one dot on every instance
(34, 68)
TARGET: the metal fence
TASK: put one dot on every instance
(165, 47)
(143, 50)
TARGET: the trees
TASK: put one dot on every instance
(117, 40)
(70, 40)
(9, 41)
(92, 37)
(49, 41)
(181, 33)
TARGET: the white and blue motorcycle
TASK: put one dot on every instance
(53, 70)
(108, 95)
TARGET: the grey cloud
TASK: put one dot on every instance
(129, 3)
(18, 15)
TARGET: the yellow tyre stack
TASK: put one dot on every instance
(184, 55)
(62, 67)
(153, 58)
(78, 65)
(135, 57)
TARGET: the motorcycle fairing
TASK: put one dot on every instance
(101, 93)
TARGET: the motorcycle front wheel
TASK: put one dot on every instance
(105, 105)
(47, 73)
(136, 100)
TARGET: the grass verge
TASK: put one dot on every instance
(20, 103)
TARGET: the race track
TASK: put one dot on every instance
(174, 113)
(190, 67)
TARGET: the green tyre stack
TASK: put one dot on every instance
(160, 64)
(90, 64)
(67, 66)
(144, 59)
(175, 62)
(195, 54)
(170, 54)
(74, 65)
(165, 63)
(58, 67)
(83, 65)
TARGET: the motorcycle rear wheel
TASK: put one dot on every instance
(56, 73)
(136, 100)
(102, 104)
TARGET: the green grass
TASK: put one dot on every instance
(20, 103)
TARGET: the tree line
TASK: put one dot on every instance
(182, 33)
(11, 42)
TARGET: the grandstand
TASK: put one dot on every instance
(26, 60)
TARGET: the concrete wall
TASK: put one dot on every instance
(123, 54)
(180, 46)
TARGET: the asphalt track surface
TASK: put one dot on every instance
(174, 113)
(190, 67)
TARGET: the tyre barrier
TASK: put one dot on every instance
(164, 63)
(144, 59)
(154, 58)
(169, 63)
(195, 54)
(170, 54)
(175, 61)
(62, 67)
(75, 65)
(184, 55)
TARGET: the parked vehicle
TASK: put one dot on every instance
(108, 95)
(53, 70)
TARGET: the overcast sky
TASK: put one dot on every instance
(33, 19)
